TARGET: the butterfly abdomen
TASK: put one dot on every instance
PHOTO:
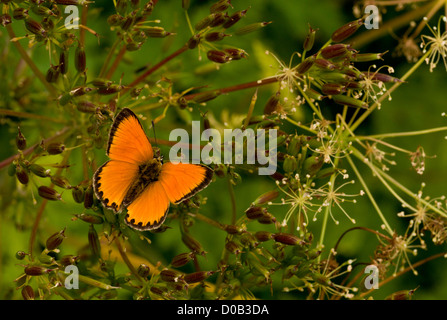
(147, 173)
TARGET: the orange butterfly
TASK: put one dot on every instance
(135, 179)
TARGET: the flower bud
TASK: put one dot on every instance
(185, 4)
(28, 293)
(55, 148)
(197, 276)
(286, 238)
(335, 51)
(49, 193)
(310, 39)
(36, 270)
(181, 259)
(20, 140)
(251, 28)
(54, 241)
(80, 59)
(346, 31)
(35, 28)
(143, 270)
(20, 255)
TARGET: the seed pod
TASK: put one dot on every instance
(217, 19)
(232, 229)
(171, 275)
(377, 76)
(55, 148)
(20, 140)
(304, 66)
(90, 218)
(332, 89)
(366, 57)
(63, 62)
(49, 193)
(35, 27)
(28, 293)
(251, 28)
(324, 64)
(112, 89)
(68, 259)
(192, 243)
(346, 31)
(52, 74)
(5, 19)
(78, 194)
(93, 241)
(156, 32)
(255, 212)
(267, 218)
(401, 295)
(143, 270)
(36, 270)
(86, 107)
(22, 175)
(263, 236)
(310, 39)
(287, 238)
(60, 181)
(197, 276)
(235, 53)
(233, 247)
(39, 171)
(272, 105)
(185, 4)
(312, 165)
(265, 198)
(349, 101)
(335, 51)
(194, 41)
(181, 259)
(55, 240)
(234, 18)
(215, 36)
(220, 6)
(20, 13)
(88, 197)
(290, 164)
(80, 59)
(218, 56)
(206, 96)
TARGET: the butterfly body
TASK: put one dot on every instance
(136, 178)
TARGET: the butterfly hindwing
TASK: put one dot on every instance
(127, 140)
(183, 180)
(149, 210)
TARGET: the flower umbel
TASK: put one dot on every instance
(436, 45)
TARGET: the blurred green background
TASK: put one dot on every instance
(416, 105)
